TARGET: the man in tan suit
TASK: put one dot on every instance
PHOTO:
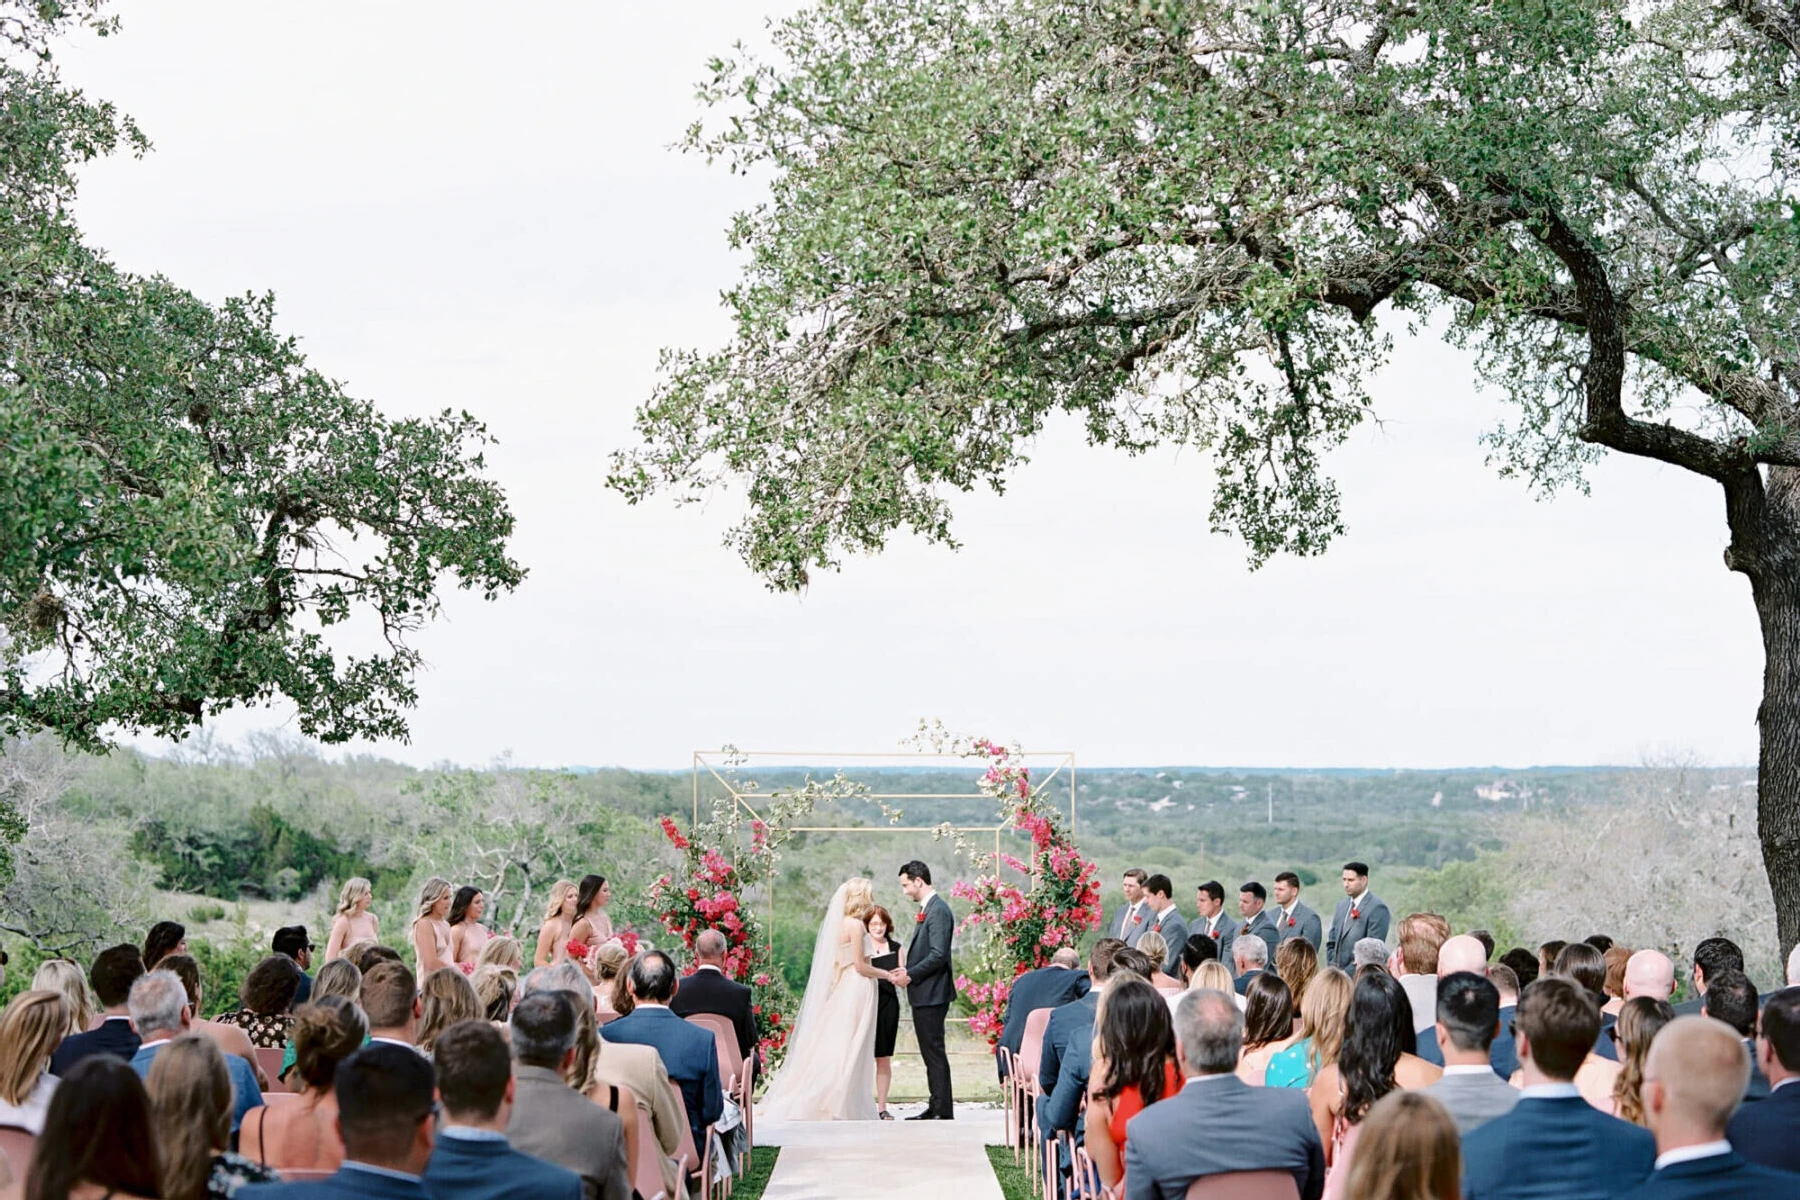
(551, 1120)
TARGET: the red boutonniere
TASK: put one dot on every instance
(1215, 935)
(1138, 920)
(919, 917)
(1290, 922)
(1356, 914)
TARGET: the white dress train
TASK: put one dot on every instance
(829, 1071)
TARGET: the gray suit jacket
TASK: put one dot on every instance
(1371, 921)
(1228, 931)
(552, 1121)
(1123, 927)
(1261, 925)
(1174, 931)
(1474, 1099)
(1245, 1129)
(1306, 924)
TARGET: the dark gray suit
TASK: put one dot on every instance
(929, 993)
(1174, 931)
(1218, 1125)
(552, 1121)
(1475, 1098)
(1226, 931)
(1371, 920)
(1261, 925)
(1302, 922)
(1124, 928)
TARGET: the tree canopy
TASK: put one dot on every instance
(187, 507)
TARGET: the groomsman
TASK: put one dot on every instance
(1167, 920)
(1132, 919)
(1359, 915)
(1209, 898)
(1292, 917)
(1251, 899)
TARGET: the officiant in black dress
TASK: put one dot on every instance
(887, 1002)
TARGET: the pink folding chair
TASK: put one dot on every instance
(1025, 1079)
(695, 1161)
(649, 1180)
(270, 1062)
(1245, 1185)
(18, 1145)
(734, 1072)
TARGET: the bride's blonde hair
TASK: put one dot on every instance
(859, 897)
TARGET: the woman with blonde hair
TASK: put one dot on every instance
(1642, 1018)
(496, 990)
(1408, 1150)
(302, 1135)
(69, 981)
(609, 975)
(1156, 948)
(30, 1028)
(339, 977)
(445, 998)
(559, 918)
(430, 930)
(190, 1114)
(1296, 961)
(502, 951)
(354, 922)
(1322, 1016)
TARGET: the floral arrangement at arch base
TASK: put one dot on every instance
(1024, 925)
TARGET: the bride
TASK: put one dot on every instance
(829, 1072)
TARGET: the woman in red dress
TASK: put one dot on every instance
(1134, 1067)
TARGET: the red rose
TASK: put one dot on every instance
(919, 917)
(1355, 914)
(1138, 920)
(1215, 934)
(1290, 922)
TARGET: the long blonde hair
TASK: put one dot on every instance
(559, 895)
(1642, 1018)
(354, 889)
(30, 1028)
(1408, 1150)
(502, 951)
(1215, 975)
(1322, 1015)
(859, 897)
(63, 977)
(445, 998)
(190, 1112)
(435, 889)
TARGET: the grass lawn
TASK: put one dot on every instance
(1014, 1183)
(762, 1163)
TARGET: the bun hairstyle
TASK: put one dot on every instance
(325, 1033)
(859, 897)
(610, 960)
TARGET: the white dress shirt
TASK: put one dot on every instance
(1690, 1153)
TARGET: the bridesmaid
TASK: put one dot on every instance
(559, 918)
(430, 932)
(886, 954)
(592, 926)
(467, 934)
(354, 922)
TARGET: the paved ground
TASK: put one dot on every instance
(895, 1160)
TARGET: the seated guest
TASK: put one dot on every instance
(1408, 1151)
(550, 1120)
(301, 1134)
(96, 1141)
(1268, 1022)
(190, 1113)
(1250, 957)
(1072, 1024)
(1376, 1059)
(1296, 962)
(366, 955)
(1599, 941)
(338, 977)
(1133, 1067)
(1617, 959)
(1546, 956)
(267, 997)
(1505, 1055)
(160, 1014)
(390, 999)
(230, 1038)
(1468, 1017)
(165, 938)
(1199, 948)
(1769, 1132)
(687, 1050)
(114, 971)
(1212, 976)
(1487, 942)
(472, 1159)
(1694, 1080)
(1711, 956)
(292, 941)
(1153, 946)
(502, 951)
(1046, 987)
(1649, 973)
(30, 1028)
(1246, 1128)
(1460, 955)
(710, 990)
(63, 977)
(387, 1111)
(1061, 1108)
(1414, 963)
(610, 961)
(446, 997)
(1639, 1022)
(1369, 952)
(1553, 1142)
(1731, 998)
(495, 990)
(1587, 966)
(1523, 964)
(1322, 1016)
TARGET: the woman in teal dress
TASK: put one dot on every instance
(1322, 1012)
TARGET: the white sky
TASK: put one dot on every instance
(461, 206)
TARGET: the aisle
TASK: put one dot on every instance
(895, 1160)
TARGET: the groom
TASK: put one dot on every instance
(926, 978)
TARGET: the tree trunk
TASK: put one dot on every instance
(1765, 546)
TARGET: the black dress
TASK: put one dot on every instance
(887, 1002)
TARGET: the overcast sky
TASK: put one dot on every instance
(461, 206)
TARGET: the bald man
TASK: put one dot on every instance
(1464, 955)
(1693, 1080)
(1649, 973)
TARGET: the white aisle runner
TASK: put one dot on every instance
(893, 1160)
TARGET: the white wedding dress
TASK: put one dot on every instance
(829, 1071)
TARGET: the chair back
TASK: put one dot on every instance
(1245, 1185)
(649, 1181)
(17, 1144)
(686, 1154)
(601, 1018)
(270, 1062)
(731, 1061)
(1031, 1046)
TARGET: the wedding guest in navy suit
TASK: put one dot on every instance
(1047, 987)
(1554, 1143)
(472, 1159)
(115, 969)
(1693, 1079)
(1731, 998)
(688, 1051)
(1769, 1132)
(1068, 1041)
(386, 1119)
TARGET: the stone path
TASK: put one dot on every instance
(895, 1160)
